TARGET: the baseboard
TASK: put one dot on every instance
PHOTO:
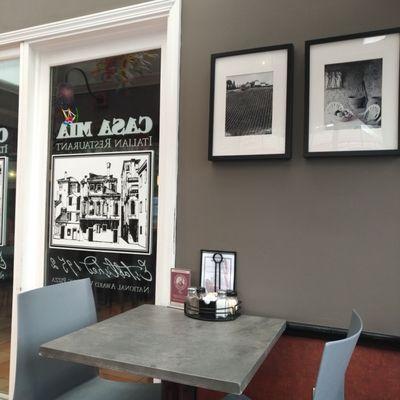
(327, 333)
(3, 396)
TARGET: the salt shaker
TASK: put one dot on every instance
(222, 305)
(192, 301)
(232, 301)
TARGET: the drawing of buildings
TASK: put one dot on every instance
(67, 208)
(100, 207)
(95, 210)
(134, 200)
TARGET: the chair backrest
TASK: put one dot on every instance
(334, 363)
(43, 315)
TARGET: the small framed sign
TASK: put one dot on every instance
(180, 283)
(251, 104)
(218, 270)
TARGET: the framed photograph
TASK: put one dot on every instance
(218, 270)
(102, 202)
(3, 199)
(251, 104)
(352, 95)
(180, 283)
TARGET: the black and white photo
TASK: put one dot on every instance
(251, 104)
(352, 95)
(102, 201)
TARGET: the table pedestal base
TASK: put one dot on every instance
(175, 391)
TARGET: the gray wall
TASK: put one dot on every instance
(314, 237)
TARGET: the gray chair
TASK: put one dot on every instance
(45, 314)
(334, 363)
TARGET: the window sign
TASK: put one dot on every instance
(103, 168)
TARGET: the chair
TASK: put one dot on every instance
(48, 313)
(334, 363)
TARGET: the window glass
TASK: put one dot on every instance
(9, 90)
(104, 139)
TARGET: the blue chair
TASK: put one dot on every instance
(334, 363)
(48, 313)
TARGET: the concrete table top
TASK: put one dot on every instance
(163, 343)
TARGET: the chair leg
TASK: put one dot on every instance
(174, 391)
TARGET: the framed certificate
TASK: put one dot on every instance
(180, 283)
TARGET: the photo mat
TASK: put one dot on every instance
(102, 202)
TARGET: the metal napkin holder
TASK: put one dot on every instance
(209, 312)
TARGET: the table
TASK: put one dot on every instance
(161, 342)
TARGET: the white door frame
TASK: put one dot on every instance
(154, 24)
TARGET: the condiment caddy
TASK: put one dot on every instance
(212, 306)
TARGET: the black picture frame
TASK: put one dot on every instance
(289, 105)
(231, 253)
(351, 153)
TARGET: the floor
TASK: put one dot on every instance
(107, 309)
(5, 334)
(5, 331)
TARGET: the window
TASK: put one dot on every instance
(132, 207)
(9, 95)
(61, 53)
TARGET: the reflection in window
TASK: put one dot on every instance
(9, 92)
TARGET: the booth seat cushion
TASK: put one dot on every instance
(102, 389)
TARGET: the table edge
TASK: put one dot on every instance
(182, 378)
